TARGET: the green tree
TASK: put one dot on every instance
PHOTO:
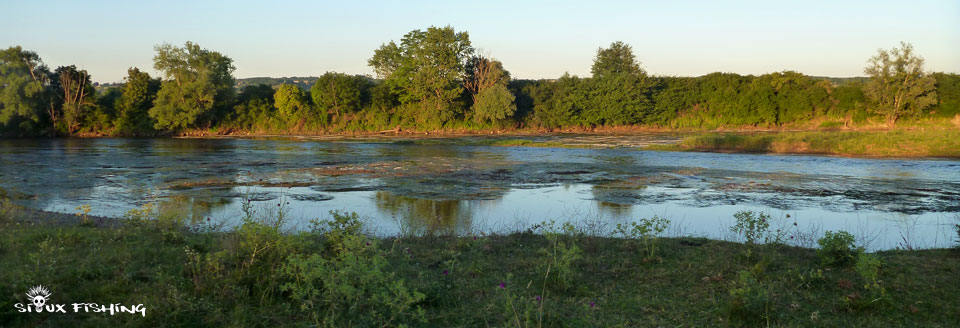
(426, 68)
(139, 92)
(196, 82)
(898, 85)
(494, 103)
(290, 100)
(618, 59)
(74, 93)
(24, 103)
(620, 92)
(340, 92)
(481, 73)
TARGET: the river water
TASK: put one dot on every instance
(447, 186)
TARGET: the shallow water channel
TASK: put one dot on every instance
(455, 185)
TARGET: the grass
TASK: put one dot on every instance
(894, 143)
(255, 275)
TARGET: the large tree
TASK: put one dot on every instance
(74, 95)
(196, 82)
(617, 59)
(898, 85)
(139, 92)
(620, 93)
(426, 68)
(24, 102)
(340, 92)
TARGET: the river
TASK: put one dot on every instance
(449, 186)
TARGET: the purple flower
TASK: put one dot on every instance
(368, 243)
(474, 237)
(503, 285)
(538, 298)
(445, 272)
(592, 304)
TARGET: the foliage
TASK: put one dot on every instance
(561, 253)
(647, 231)
(615, 60)
(340, 92)
(196, 81)
(139, 91)
(354, 285)
(753, 227)
(23, 97)
(426, 68)
(898, 85)
(749, 297)
(494, 104)
(838, 248)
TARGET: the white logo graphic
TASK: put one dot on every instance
(39, 301)
(38, 296)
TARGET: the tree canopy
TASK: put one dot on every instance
(195, 81)
(898, 85)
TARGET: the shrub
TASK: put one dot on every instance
(837, 248)
(752, 226)
(749, 298)
(561, 253)
(647, 231)
(352, 287)
(336, 231)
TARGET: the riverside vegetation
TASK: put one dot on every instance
(434, 81)
(335, 274)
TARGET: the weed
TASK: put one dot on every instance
(353, 287)
(561, 253)
(837, 248)
(753, 227)
(647, 231)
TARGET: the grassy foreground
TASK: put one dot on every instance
(934, 142)
(254, 275)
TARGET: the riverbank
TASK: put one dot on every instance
(258, 275)
(913, 143)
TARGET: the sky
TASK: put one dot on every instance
(533, 39)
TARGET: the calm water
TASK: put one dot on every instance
(468, 189)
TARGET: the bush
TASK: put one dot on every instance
(647, 231)
(561, 253)
(749, 298)
(353, 287)
(752, 226)
(838, 248)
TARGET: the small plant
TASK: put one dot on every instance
(837, 248)
(561, 253)
(524, 310)
(753, 227)
(336, 231)
(868, 267)
(749, 297)
(83, 211)
(647, 231)
(353, 285)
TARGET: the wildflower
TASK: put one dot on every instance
(503, 285)
(592, 304)
(445, 272)
(538, 298)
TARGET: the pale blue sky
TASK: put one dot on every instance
(534, 39)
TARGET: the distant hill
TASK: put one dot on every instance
(304, 82)
(844, 80)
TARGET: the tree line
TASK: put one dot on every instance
(434, 79)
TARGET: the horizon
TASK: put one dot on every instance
(533, 40)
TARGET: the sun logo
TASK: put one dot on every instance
(38, 296)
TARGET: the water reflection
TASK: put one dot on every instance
(427, 216)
